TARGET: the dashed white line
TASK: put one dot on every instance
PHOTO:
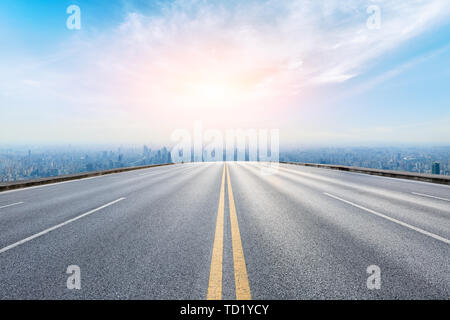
(70, 181)
(432, 235)
(10, 205)
(150, 173)
(48, 185)
(57, 226)
(427, 195)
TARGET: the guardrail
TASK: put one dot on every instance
(36, 182)
(433, 178)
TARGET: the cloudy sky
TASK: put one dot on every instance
(321, 71)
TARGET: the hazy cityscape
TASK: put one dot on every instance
(22, 163)
(411, 159)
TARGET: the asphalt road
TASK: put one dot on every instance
(197, 231)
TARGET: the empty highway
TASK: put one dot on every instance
(227, 231)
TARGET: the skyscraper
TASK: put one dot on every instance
(436, 168)
(146, 151)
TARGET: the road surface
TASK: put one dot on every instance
(216, 231)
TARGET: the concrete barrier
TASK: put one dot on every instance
(433, 178)
(36, 182)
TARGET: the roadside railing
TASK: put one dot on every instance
(433, 178)
(4, 186)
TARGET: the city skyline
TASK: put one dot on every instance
(20, 163)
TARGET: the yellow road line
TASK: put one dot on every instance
(240, 269)
(215, 275)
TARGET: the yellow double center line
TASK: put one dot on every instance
(240, 269)
(215, 275)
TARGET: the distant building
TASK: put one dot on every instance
(436, 168)
(146, 151)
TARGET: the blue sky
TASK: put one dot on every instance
(138, 70)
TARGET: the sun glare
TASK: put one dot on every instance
(211, 92)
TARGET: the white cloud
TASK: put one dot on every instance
(256, 54)
(326, 41)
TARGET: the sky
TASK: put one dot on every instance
(323, 72)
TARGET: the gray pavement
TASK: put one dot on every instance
(306, 233)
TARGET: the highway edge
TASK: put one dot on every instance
(78, 176)
(432, 178)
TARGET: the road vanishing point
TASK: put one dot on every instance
(226, 231)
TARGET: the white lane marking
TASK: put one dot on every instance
(427, 195)
(75, 180)
(10, 205)
(145, 174)
(57, 226)
(48, 185)
(371, 175)
(432, 235)
(152, 173)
